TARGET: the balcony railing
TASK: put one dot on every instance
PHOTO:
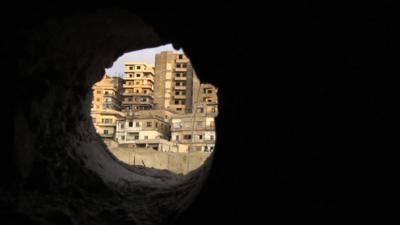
(194, 127)
(180, 69)
(180, 96)
(180, 87)
(107, 135)
(106, 124)
(180, 78)
(184, 60)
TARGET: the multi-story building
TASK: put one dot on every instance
(174, 83)
(207, 100)
(106, 104)
(177, 87)
(106, 93)
(105, 122)
(138, 86)
(195, 129)
(145, 129)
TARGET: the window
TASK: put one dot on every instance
(98, 92)
(200, 110)
(146, 137)
(138, 67)
(130, 124)
(156, 124)
(131, 67)
(180, 56)
(137, 83)
(177, 93)
(177, 137)
(209, 91)
(138, 75)
(122, 137)
(106, 92)
(177, 102)
(184, 65)
(201, 137)
(148, 124)
(137, 91)
(105, 131)
(130, 75)
(179, 109)
(106, 121)
(145, 91)
(178, 65)
(122, 126)
(137, 124)
(178, 84)
(211, 137)
(98, 99)
(187, 137)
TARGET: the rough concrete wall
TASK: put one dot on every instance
(179, 163)
(62, 164)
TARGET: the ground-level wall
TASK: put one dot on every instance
(175, 162)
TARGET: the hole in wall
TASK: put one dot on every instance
(152, 111)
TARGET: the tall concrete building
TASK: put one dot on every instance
(177, 87)
(138, 86)
(174, 82)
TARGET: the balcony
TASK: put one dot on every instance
(150, 86)
(180, 96)
(180, 78)
(107, 135)
(180, 87)
(193, 128)
(128, 85)
(180, 69)
(183, 60)
(106, 124)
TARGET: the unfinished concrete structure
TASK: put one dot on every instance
(175, 82)
(196, 130)
(144, 129)
(138, 86)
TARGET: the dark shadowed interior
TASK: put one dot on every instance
(307, 128)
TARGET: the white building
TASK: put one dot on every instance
(195, 130)
(145, 129)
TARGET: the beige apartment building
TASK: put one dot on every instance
(105, 122)
(106, 93)
(138, 86)
(106, 105)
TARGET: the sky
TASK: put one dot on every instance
(144, 55)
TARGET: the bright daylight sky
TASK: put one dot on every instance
(144, 55)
